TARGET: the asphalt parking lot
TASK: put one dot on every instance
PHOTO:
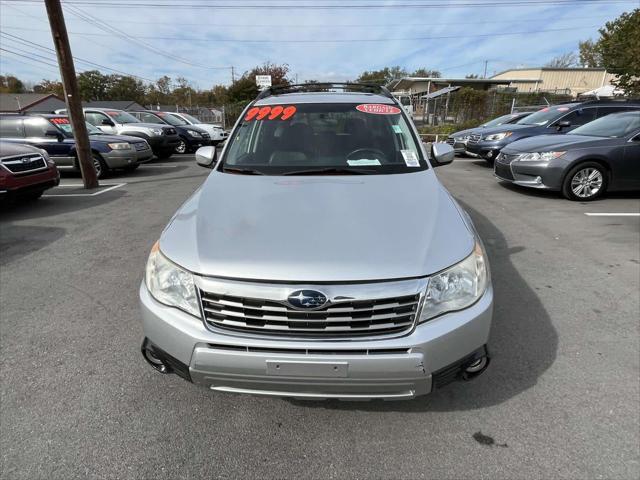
(560, 400)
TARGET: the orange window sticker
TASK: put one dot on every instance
(378, 109)
(60, 121)
(270, 113)
(288, 112)
(275, 112)
(264, 111)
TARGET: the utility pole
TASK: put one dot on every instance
(486, 63)
(71, 92)
(233, 75)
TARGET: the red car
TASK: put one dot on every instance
(25, 171)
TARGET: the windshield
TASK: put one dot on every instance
(172, 119)
(63, 124)
(544, 116)
(611, 126)
(500, 120)
(122, 117)
(338, 138)
(190, 118)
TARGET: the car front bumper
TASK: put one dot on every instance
(431, 355)
(163, 143)
(540, 175)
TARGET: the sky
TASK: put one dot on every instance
(326, 40)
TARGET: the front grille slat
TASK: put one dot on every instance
(351, 317)
(25, 164)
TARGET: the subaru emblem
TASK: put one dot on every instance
(307, 299)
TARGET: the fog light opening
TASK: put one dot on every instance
(475, 367)
(154, 361)
(539, 180)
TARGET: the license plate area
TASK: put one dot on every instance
(290, 368)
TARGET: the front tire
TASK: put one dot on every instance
(181, 147)
(585, 182)
(100, 166)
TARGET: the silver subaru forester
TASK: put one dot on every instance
(321, 258)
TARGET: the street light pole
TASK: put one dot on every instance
(71, 92)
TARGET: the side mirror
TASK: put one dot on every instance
(53, 133)
(563, 124)
(441, 154)
(107, 123)
(206, 157)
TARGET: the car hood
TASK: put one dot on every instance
(105, 138)
(318, 229)
(462, 132)
(513, 127)
(547, 143)
(8, 149)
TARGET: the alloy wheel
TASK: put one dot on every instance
(181, 147)
(587, 182)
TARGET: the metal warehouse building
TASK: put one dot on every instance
(572, 81)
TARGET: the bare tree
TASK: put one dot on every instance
(566, 60)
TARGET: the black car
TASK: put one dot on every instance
(552, 120)
(601, 156)
(458, 140)
(191, 138)
(53, 133)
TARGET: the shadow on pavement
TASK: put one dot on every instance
(523, 342)
(50, 206)
(16, 241)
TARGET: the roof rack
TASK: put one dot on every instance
(325, 87)
(601, 100)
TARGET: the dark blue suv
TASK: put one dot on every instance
(555, 119)
(53, 134)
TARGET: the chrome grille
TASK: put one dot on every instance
(24, 164)
(345, 318)
(474, 138)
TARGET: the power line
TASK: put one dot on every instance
(114, 31)
(327, 6)
(325, 26)
(26, 42)
(29, 57)
(351, 40)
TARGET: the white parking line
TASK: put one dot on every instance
(612, 214)
(111, 186)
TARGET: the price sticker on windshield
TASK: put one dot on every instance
(270, 113)
(378, 109)
(410, 158)
(60, 121)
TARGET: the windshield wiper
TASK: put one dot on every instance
(242, 171)
(331, 171)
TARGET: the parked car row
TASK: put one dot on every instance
(581, 149)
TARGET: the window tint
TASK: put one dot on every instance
(602, 111)
(613, 126)
(38, 127)
(11, 127)
(580, 116)
(149, 118)
(281, 139)
(95, 118)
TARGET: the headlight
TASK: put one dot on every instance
(539, 156)
(119, 146)
(462, 139)
(194, 134)
(457, 287)
(170, 284)
(156, 131)
(498, 136)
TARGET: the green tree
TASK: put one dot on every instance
(383, 76)
(124, 87)
(426, 73)
(11, 84)
(49, 86)
(590, 55)
(93, 85)
(243, 90)
(279, 73)
(619, 45)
